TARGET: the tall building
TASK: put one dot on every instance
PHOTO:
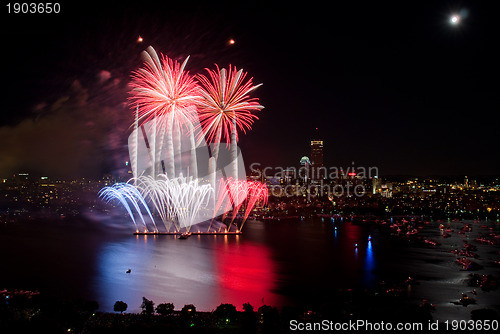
(376, 185)
(305, 168)
(318, 170)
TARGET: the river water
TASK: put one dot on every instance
(286, 262)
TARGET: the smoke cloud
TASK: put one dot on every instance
(82, 133)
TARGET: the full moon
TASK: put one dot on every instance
(455, 19)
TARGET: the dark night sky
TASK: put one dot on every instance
(392, 85)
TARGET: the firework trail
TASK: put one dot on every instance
(166, 94)
(224, 108)
(230, 195)
(180, 202)
(167, 103)
(257, 191)
(127, 193)
(236, 194)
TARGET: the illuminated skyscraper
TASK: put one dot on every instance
(318, 170)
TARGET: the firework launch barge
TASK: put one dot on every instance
(191, 233)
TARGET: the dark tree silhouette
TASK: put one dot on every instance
(226, 312)
(188, 310)
(165, 308)
(248, 319)
(120, 306)
(248, 308)
(269, 318)
(148, 307)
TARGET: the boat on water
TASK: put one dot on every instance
(466, 300)
(467, 228)
(484, 240)
(468, 264)
(412, 232)
(469, 246)
(185, 235)
(485, 282)
(425, 304)
(465, 252)
(431, 242)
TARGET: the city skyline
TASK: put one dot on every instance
(296, 164)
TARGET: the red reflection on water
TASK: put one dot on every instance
(353, 236)
(354, 233)
(245, 273)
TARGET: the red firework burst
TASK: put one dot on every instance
(256, 192)
(240, 193)
(162, 87)
(224, 101)
(231, 194)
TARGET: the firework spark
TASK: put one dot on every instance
(165, 100)
(237, 194)
(257, 191)
(225, 101)
(162, 87)
(166, 95)
(179, 202)
(127, 193)
(225, 107)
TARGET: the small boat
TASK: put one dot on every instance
(484, 240)
(185, 235)
(129, 271)
(430, 242)
(412, 232)
(468, 264)
(465, 252)
(467, 228)
(466, 300)
(410, 280)
(425, 304)
(469, 246)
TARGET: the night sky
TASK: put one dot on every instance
(388, 84)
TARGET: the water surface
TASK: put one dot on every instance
(279, 263)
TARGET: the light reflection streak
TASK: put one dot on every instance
(369, 267)
(203, 271)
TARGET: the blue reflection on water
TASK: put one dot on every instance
(369, 267)
(161, 269)
(202, 270)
